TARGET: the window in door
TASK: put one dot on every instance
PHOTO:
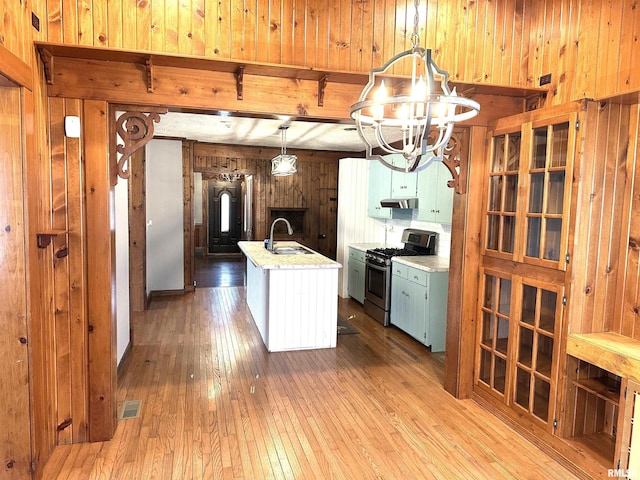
(503, 191)
(548, 187)
(494, 332)
(537, 327)
(225, 212)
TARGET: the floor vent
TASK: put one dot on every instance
(130, 409)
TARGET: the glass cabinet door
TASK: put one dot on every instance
(500, 225)
(528, 192)
(494, 333)
(548, 180)
(537, 324)
(525, 246)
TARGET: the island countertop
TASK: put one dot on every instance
(263, 258)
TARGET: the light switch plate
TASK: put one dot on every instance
(72, 127)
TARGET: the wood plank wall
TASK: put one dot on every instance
(498, 42)
(628, 312)
(565, 36)
(602, 187)
(15, 29)
(69, 280)
(314, 187)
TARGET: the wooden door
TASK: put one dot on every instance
(15, 438)
(225, 216)
(525, 251)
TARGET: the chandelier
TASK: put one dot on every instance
(401, 123)
(230, 177)
(284, 164)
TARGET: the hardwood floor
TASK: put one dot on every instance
(218, 271)
(216, 404)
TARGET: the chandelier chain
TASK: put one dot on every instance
(415, 37)
(284, 140)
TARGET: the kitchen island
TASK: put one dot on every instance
(293, 297)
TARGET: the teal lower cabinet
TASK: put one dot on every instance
(419, 304)
(355, 278)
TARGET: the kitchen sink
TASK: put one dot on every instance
(291, 251)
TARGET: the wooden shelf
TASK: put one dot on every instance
(603, 387)
(601, 446)
(610, 351)
(50, 51)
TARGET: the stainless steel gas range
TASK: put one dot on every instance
(377, 301)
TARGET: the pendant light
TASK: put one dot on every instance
(417, 119)
(284, 164)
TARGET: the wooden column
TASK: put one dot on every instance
(100, 272)
(187, 185)
(137, 232)
(463, 272)
(15, 440)
(42, 363)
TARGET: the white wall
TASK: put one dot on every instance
(355, 226)
(165, 260)
(122, 266)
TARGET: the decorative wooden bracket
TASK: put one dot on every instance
(322, 84)
(44, 238)
(451, 159)
(47, 60)
(135, 130)
(239, 79)
(149, 67)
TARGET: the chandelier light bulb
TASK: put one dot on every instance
(378, 108)
(420, 94)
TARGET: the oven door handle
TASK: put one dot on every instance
(376, 267)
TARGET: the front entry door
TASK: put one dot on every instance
(225, 216)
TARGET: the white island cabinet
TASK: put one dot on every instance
(293, 298)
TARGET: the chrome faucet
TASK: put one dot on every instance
(289, 229)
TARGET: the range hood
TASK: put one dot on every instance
(399, 203)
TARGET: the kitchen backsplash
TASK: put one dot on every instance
(394, 230)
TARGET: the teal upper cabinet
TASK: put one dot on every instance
(379, 189)
(435, 198)
(403, 185)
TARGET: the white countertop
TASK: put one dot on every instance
(262, 258)
(428, 263)
(366, 246)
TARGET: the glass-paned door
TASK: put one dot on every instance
(548, 181)
(500, 227)
(536, 347)
(494, 327)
